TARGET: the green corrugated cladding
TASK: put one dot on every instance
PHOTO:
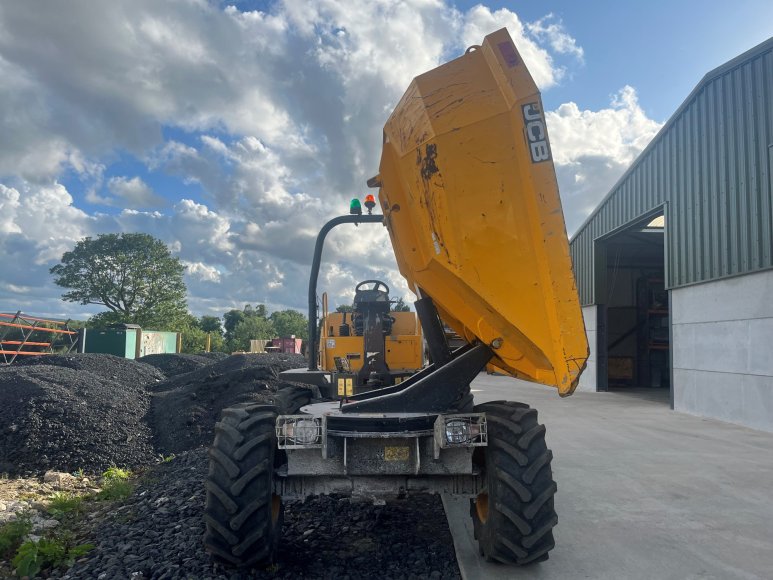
(710, 169)
(121, 342)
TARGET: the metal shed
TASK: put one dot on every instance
(707, 176)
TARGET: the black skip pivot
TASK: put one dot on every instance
(435, 389)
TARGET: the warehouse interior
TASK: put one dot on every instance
(636, 340)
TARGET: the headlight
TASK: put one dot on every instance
(304, 431)
(457, 431)
(468, 430)
(298, 431)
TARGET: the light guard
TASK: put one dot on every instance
(462, 430)
(298, 432)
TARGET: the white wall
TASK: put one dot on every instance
(723, 350)
(588, 377)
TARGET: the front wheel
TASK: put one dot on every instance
(514, 516)
(243, 516)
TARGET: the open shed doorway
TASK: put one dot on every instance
(635, 344)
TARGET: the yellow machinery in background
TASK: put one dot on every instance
(356, 365)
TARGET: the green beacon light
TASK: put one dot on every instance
(354, 207)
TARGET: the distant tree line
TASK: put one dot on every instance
(138, 280)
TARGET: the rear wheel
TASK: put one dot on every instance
(514, 516)
(243, 516)
(290, 399)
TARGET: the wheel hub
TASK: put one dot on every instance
(481, 507)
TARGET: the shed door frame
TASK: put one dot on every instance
(600, 289)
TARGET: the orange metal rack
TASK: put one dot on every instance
(18, 329)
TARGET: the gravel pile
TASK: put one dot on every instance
(186, 407)
(106, 366)
(75, 412)
(214, 355)
(158, 533)
(176, 364)
(91, 411)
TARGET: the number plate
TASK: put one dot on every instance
(397, 453)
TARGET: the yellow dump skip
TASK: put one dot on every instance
(471, 202)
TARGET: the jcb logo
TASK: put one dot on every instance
(536, 133)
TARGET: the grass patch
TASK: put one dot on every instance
(115, 490)
(12, 535)
(117, 473)
(116, 484)
(32, 557)
(63, 503)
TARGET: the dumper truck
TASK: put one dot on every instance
(370, 347)
(468, 193)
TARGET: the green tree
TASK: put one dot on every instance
(194, 335)
(289, 322)
(344, 308)
(216, 342)
(399, 305)
(194, 340)
(251, 328)
(231, 319)
(134, 275)
(211, 324)
(259, 310)
(105, 318)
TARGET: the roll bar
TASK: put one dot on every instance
(343, 219)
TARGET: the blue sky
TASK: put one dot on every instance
(662, 48)
(232, 131)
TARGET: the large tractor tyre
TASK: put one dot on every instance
(291, 398)
(514, 516)
(243, 516)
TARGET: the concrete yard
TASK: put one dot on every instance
(643, 491)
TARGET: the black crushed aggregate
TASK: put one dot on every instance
(186, 407)
(107, 366)
(157, 534)
(214, 355)
(176, 364)
(92, 411)
(57, 417)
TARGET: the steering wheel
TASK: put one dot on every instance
(377, 284)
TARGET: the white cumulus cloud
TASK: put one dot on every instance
(269, 120)
(592, 149)
(481, 20)
(128, 193)
(202, 271)
(553, 32)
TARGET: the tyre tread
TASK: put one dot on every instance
(519, 480)
(240, 529)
